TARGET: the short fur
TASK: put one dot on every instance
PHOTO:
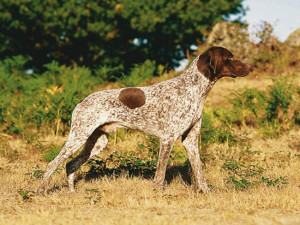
(168, 110)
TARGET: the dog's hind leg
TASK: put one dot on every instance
(70, 147)
(94, 145)
(82, 127)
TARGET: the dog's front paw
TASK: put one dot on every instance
(42, 188)
(158, 184)
(206, 190)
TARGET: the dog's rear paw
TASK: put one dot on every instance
(41, 189)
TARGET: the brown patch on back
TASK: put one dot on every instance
(132, 97)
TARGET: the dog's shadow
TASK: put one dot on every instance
(173, 172)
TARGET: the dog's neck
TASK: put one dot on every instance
(196, 78)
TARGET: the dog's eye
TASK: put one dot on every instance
(230, 57)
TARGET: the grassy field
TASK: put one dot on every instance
(254, 181)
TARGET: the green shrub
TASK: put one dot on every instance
(139, 73)
(107, 73)
(51, 152)
(44, 101)
(272, 111)
(211, 133)
(245, 174)
(12, 74)
(279, 97)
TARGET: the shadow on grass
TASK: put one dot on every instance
(97, 172)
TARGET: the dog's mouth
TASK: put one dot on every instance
(242, 75)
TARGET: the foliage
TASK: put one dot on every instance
(244, 173)
(32, 101)
(280, 98)
(93, 195)
(273, 110)
(269, 50)
(118, 163)
(265, 33)
(51, 151)
(36, 172)
(112, 34)
(211, 133)
(133, 163)
(139, 73)
(26, 195)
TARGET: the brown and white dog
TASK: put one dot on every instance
(167, 110)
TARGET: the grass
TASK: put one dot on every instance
(270, 166)
(123, 199)
(251, 167)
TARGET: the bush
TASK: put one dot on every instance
(51, 152)
(139, 73)
(279, 98)
(244, 173)
(44, 101)
(273, 110)
(214, 134)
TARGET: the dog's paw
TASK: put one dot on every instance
(206, 190)
(158, 185)
(41, 189)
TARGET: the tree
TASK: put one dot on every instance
(111, 33)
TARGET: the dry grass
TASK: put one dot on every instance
(125, 200)
(134, 200)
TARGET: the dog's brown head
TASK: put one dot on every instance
(218, 62)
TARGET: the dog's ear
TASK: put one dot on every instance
(215, 60)
(203, 65)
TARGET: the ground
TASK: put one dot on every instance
(121, 199)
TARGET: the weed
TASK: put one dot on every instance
(37, 173)
(244, 175)
(118, 163)
(26, 195)
(212, 134)
(153, 145)
(280, 97)
(275, 182)
(270, 129)
(94, 195)
(7, 151)
(51, 152)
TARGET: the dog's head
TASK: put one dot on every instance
(218, 62)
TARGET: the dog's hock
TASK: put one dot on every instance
(132, 97)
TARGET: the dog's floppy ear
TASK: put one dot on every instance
(204, 66)
(215, 60)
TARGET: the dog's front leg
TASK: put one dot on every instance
(163, 157)
(190, 141)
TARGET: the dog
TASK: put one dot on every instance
(167, 110)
